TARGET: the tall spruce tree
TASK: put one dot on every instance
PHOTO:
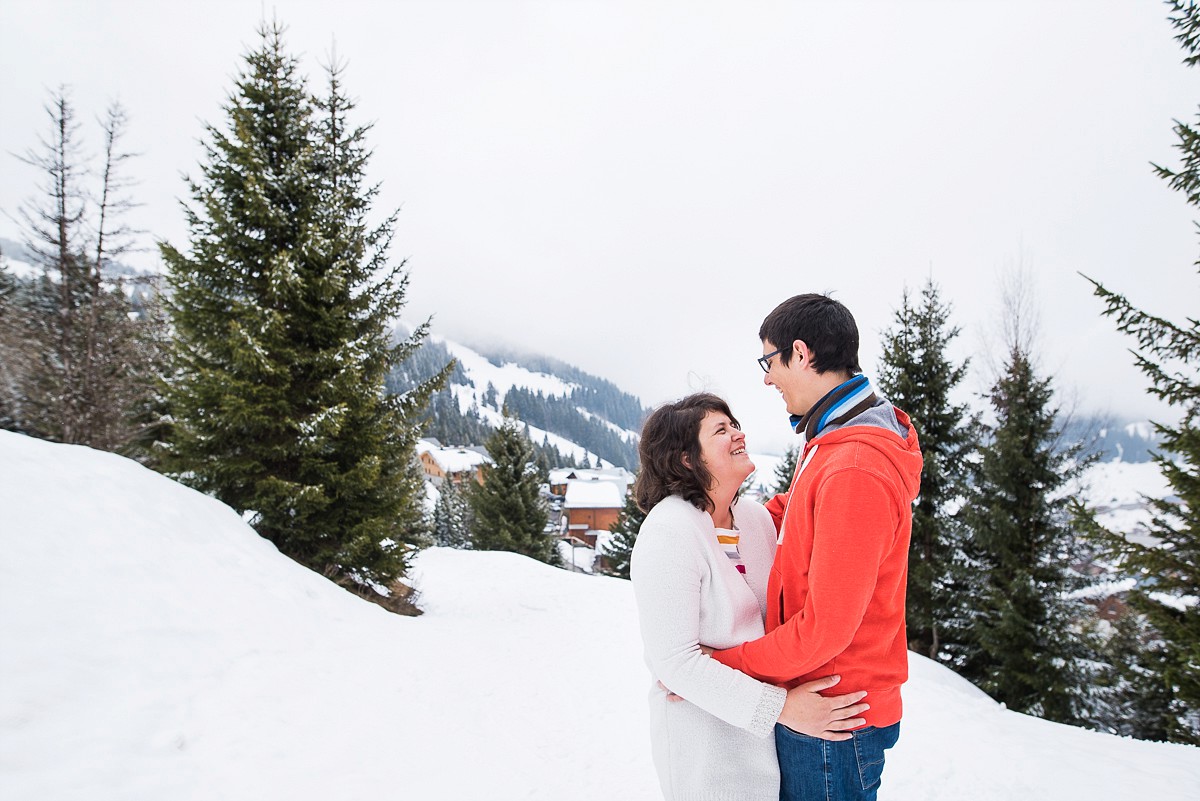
(1168, 571)
(624, 536)
(1024, 643)
(917, 375)
(508, 511)
(283, 310)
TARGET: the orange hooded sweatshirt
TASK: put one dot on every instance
(835, 596)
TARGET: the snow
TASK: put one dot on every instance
(1142, 430)
(578, 558)
(623, 433)
(1117, 491)
(467, 396)
(457, 460)
(1119, 484)
(594, 494)
(618, 476)
(154, 647)
(482, 372)
(22, 269)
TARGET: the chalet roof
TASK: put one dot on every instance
(458, 460)
(561, 475)
(593, 495)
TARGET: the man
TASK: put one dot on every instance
(836, 590)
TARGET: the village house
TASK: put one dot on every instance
(454, 464)
(589, 508)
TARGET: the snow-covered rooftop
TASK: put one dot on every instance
(593, 494)
(560, 475)
(458, 460)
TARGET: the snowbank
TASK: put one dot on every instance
(153, 647)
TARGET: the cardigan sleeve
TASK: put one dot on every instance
(667, 582)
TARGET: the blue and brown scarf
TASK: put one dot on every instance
(850, 398)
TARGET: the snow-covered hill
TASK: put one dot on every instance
(153, 647)
(580, 416)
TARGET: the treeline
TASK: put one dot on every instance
(559, 415)
(595, 394)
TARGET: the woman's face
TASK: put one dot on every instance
(723, 451)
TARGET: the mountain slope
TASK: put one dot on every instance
(155, 647)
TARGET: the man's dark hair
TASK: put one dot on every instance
(670, 432)
(824, 324)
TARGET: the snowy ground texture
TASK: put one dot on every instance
(153, 647)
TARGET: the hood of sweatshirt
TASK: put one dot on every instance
(889, 431)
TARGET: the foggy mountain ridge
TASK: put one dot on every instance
(573, 417)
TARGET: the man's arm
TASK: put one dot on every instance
(855, 523)
(776, 507)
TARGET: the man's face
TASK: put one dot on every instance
(792, 380)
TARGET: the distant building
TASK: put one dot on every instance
(560, 477)
(589, 508)
(454, 464)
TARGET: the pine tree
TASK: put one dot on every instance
(624, 536)
(451, 524)
(1024, 643)
(508, 511)
(283, 310)
(1130, 697)
(785, 470)
(917, 375)
(1168, 571)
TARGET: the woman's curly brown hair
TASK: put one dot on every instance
(671, 432)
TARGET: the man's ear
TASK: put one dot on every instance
(801, 352)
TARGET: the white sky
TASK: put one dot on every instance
(632, 186)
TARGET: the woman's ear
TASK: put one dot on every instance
(683, 457)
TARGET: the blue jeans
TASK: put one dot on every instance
(812, 769)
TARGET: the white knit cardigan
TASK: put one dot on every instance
(715, 745)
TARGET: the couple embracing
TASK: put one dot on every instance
(775, 634)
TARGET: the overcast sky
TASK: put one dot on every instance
(632, 186)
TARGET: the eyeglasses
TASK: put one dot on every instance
(765, 361)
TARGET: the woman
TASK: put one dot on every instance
(699, 571)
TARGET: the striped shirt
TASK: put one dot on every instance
(728, 538)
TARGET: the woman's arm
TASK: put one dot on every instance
(667, 582)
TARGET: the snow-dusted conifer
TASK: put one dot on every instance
(283, 308)
(624, 536)
(509, 513)
(918, 376)
(451, 526)
(1025, 643)
(1168, 571)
